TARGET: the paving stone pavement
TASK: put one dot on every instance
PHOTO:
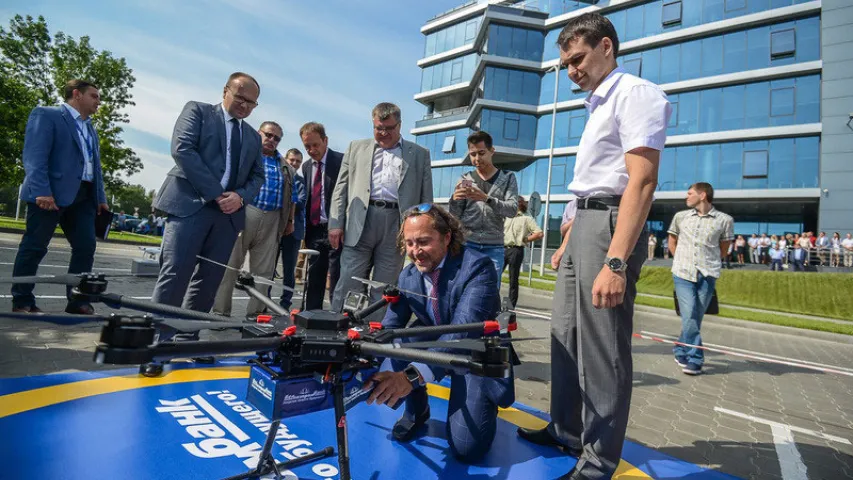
(674, 413)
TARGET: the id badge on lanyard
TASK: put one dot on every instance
(90, 149)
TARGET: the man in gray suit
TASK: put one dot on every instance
(380, 179)
(218, 169)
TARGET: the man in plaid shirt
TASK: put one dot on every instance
(698, 239)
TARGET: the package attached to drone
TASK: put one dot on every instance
(283, 397)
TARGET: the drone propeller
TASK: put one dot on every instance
(262, 281)
(375, 284)
(69, 279)
(470, 344)
(64, 319)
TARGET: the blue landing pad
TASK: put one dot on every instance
(193, 423)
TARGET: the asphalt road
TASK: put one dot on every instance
(744, 416)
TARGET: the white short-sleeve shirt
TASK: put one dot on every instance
(625, 113)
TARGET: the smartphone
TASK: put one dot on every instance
(465, 183)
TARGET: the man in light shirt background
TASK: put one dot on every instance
(518, 232)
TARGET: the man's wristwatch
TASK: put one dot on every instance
(615, 264)
(413, 375)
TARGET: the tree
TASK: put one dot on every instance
(130, 197)
(33, 71)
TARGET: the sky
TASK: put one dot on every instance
(329, 61)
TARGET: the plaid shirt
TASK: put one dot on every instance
(699, 238)
(269, 198)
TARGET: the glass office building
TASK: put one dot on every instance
(760, 91)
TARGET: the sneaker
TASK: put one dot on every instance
(692, 369)
(681, 361)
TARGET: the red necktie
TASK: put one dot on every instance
(316, 194)
(433, 302)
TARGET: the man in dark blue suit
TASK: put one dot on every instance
(463, 283)
(63, 185)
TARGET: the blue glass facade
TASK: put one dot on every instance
(508, 85)
(436, 143)
(452, 37)
(451, 72)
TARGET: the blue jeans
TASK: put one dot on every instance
(693, 300)
(495, 252)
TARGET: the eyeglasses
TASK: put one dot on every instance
(422, 208)
(242, 100)
(384, 129)
(271, 136)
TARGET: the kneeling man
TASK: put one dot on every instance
(463, 283)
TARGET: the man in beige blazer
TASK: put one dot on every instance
(380, 179)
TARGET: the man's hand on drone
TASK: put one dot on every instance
(390, 388)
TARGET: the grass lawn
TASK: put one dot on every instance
(6, 222)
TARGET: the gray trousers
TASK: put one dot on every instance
(260, 240)
(376, 250)
(591, 365)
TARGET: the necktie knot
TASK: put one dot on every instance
(433, 275)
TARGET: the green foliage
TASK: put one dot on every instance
(129, 197)
(33, 71)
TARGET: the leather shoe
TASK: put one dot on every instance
(204, 360)
(542, 436)
(151, 369)
(405, 429)
(80, 309)
(32, 309)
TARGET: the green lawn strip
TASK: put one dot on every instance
(11, 223)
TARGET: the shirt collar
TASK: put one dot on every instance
(74, 113)
(275, 156)
(228, 116)
(322, 160)
(711, 213)
(440, 266)
(397, 145)
(597, 96)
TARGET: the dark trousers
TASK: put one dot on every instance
(327, 263)
(776, 265)
(798, 265)
(513, 258)
(78, 223)
(289, 255)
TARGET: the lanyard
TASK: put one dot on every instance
(90, 145)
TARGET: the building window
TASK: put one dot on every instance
(456, 72)
(510, 128)
(782, 43)
(449, 144)
(781, 102)
(470, 30)
(673, 118)
(671, 13)
(755, 164)
(732, 5)
(633, 66)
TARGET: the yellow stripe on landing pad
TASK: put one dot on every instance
(46, 396)
(625, 471)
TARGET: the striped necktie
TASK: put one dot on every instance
(433, 302)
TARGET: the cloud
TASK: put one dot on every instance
(155, 167)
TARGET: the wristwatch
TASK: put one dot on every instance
(413, 375)
(615, 264)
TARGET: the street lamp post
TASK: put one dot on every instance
(556, 69)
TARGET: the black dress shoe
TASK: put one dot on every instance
(542, 436)
(204, 360)
(405, 429)
(25, 309)
(79, 309)
(151, 369)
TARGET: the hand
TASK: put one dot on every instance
(229, 202)
(288, 229)
(460, 192)
(556, 258)
(390, 388)
(608, 290)
(475, 194)
(336, 235)
(46, 203)
(103, 207)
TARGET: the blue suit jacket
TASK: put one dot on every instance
(53, 157)
(199, 149)
(468, 293)
(300, 197)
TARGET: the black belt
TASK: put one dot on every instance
(598, 203)
(384, 204)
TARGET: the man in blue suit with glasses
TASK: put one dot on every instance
(463, 287)
(63, 185)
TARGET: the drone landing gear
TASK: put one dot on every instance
(268, 465)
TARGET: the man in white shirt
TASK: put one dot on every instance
(822, 245)
(763, 248)
(754, 251)
(847, 249)
(615, 178)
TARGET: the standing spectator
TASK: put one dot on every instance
(653, 243)
(835, 254)
(782, 244)
(847, 248)
(320, 174)
(740, 249)
(776, 257)
(729, 254)
(483, 198)
(290, 243)
(160, 221)
(664, 245)
(381, 178)
(764, 243)
(798, 258)
(152, 223)
(754, 249)
(614, 179)
(268, 218)
(698, 238)
(518, 232)
(121, 221)
(807, 242)
(63, 185)
(822, 247)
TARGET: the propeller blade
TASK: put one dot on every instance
(471, 344)
(64, 279)
(188, 326)
(375, 284)
(55, 318)
(262, 281)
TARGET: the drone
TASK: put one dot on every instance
(324, 357)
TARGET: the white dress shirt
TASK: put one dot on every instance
(224, 181)
(387, 169)
(324, 218)
(83, 132)
(625, 113)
